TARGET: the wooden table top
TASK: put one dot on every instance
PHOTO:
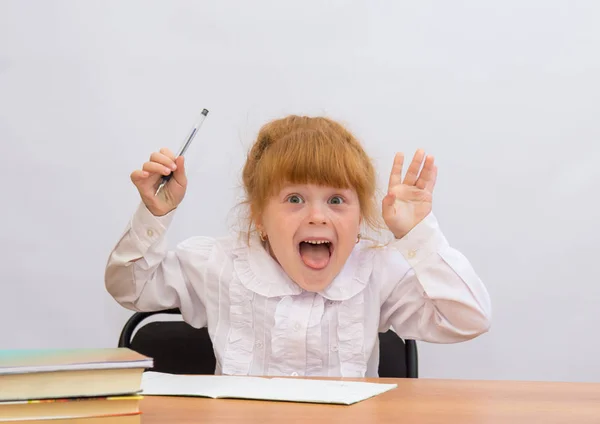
(415, 401)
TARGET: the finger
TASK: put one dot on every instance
(431, 184)
(396, 173)
(163, 160)
(427, 173)
(139, 175)
(179, 174)
(168, 153)
(413, 170)
(156, 168)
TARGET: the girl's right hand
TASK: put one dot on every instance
(147, 180)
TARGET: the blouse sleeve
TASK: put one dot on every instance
(142, 275)
(430, 291)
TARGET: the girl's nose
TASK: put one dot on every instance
(317, 216)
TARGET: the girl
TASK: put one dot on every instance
(302, 293)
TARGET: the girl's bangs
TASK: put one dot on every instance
(310, 157)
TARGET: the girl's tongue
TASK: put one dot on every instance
(315, 256)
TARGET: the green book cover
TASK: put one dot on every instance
(20, 361)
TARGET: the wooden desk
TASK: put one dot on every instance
(415, 401)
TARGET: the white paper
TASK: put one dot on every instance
(261, 388)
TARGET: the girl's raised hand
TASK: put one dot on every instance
(147, 180)
(409, 201)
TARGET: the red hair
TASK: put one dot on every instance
(306, 150)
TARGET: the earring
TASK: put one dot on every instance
(358, 238)
(262, 236)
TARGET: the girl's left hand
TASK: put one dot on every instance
(408, 202)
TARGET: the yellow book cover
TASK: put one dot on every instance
(69, 408)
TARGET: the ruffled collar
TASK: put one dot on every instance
(260, 273)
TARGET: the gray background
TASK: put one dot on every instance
(504, 94)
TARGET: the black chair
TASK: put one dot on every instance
(178, 348)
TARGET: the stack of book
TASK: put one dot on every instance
(56, 386)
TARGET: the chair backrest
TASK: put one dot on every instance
(178, 348)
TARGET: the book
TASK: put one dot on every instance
(30, 374)
(261, 388)
(107, 419)
(69, 408)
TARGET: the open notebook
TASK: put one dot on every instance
(261, 388)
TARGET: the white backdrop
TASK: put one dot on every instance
(504, 94)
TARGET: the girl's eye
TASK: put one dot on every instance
(294, 198)
(336, 200)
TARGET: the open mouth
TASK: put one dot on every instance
(316, 253)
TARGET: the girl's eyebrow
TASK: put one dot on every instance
(294, 188)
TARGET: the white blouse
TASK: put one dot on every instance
(262, 323)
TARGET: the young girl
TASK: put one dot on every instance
(302, 294)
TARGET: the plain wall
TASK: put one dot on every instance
(505, 95)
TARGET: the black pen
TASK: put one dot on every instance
(184, 146)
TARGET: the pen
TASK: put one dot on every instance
(184, 147)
